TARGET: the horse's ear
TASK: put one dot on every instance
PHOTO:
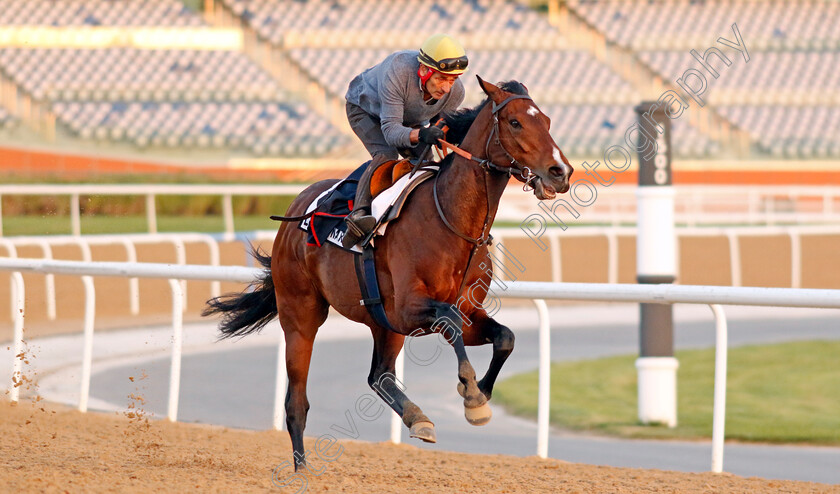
(489, 88)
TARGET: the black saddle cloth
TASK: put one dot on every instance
(327, 224)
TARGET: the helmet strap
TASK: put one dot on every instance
(425, 78)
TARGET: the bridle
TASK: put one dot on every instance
(526, 175)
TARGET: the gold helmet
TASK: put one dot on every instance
(444, 54)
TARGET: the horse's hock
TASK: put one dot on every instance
(765, 261)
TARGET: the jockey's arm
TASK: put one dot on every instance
(392, 101)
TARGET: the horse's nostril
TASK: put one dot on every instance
(556, 172)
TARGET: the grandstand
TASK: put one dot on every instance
(786, 98)
(685, 24)
(159, 98)
(358, 22)
(279, 92)
(171, 13)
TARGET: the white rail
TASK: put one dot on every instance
(695, 204)
(553, 238)
(150, 191)
(175, 273)
(129, 242)
(704, 205)
(714, 296)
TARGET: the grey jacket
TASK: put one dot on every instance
(391, 91)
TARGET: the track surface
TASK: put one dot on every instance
(69, 451)
(232, 384)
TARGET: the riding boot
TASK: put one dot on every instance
(360, 222)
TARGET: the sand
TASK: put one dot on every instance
(50, 448)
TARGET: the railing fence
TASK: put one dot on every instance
(694, 204)
(713, 296)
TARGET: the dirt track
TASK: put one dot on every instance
(51, 449)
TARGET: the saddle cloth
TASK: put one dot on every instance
(334, 204)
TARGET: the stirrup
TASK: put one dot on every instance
(357, 228)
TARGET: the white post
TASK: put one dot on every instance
(544, 394)
(656, 263)
(657, 390)
(75, 215)
(719, 413)
(177, 343)
(227, 211)
(556, 260)
(734, 257)
(87, 352)
(133, 283)
(396, 421)
(17, 315)
(795, 258)
(656, 234)
(213, 248)
(181, 259)
(49, 280)
(280, 384)
(612, 256)
(151, 213)
(11, 251)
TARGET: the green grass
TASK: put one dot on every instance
(60, 225)
(784, 393)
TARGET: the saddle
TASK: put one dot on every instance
(391, 185)
(387, 175)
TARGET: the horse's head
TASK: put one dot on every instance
(520, 140)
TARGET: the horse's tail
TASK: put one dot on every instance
(247, 312)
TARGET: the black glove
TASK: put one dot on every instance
(430, 135)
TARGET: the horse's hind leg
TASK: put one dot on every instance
(485, 330)
(386, 348)
(300, 318)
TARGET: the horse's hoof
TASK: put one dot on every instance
(478, 415)
(424, 431)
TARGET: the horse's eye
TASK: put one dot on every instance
(515, 124)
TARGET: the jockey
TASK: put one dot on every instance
(389, 107)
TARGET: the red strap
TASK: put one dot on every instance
(455, 149)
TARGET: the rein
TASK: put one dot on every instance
(294, 218)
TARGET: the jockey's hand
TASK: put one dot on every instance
(430, 135)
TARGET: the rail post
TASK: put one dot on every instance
(656, 264)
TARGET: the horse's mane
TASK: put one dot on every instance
(460, 121)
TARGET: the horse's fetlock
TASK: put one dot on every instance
(475, 400)
(466, 371)
(412, 414)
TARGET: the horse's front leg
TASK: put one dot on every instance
(382, 379)
(483, 330)
(443, 318)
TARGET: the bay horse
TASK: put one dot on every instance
(423, 263)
